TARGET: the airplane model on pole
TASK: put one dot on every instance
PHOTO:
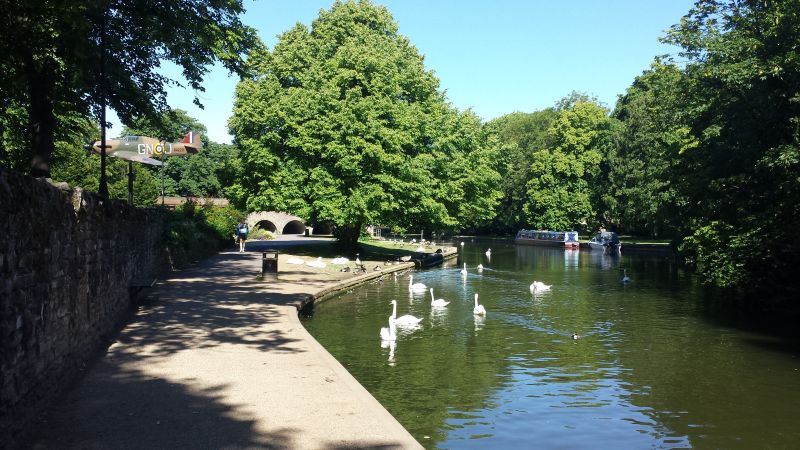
(145, 149)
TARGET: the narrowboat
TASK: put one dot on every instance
(566, 239)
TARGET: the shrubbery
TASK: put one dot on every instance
(261, 234)
(194, 232)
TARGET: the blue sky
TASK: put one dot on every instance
(495, 57)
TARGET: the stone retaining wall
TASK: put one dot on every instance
(67, 263)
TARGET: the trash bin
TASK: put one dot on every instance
(269, 262)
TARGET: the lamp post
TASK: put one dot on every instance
(103, 191)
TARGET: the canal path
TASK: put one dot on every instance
(659, 363)
(218, 359)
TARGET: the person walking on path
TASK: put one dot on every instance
(241, 234)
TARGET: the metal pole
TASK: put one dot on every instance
(130, 183)
(103, 179)
(162, 181)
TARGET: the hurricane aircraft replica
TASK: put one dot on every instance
(145, 150)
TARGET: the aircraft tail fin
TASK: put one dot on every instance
(192, 141)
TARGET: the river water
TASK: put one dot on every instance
(653, 368)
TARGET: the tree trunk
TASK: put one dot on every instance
(348, 235)
(42, 122)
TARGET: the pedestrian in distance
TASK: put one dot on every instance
(241, 234)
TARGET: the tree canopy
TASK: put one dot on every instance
(53, 59)
(742, 104)
(564, 171)
(342, 123)
(518, 135)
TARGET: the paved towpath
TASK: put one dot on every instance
(220, 360)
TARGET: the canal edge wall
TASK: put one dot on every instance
(329, 291)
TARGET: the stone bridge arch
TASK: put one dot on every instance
(277, 222)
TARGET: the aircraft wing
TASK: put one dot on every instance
(136, 157)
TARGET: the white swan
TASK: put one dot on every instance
(317, 263)
(415, 286)
(406, 320)
(480, 267)
(390, 333)
(538, 286)
(340, 260)
(625, 278)
(462, 244)
(464, 270)
(293, 260)
(438, 302)
(489, 253)
(479, 309)
(358, 260)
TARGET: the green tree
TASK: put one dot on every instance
(52, 58)
(559, 189)
(644, 195)
(519, 135)
(342, 124)
(741, 179)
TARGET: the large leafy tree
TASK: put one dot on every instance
(52, 58)
(519, 135)
(559, 190)
(643, 193)
(741, 179)
(341, 123)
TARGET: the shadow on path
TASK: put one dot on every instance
(126, 409)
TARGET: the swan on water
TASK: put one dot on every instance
(415, 286)
(480, 267)
(438, 302)
(479, 309)
(293, 260)
(464, 270)
(340, 260)
(406, 320)
(462, 244)
(538, 286)
(489, 252)
(625, 278)
(389, 333)
(575, 336)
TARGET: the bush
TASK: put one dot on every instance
(193, 232)
(223, 220)
(261, 234)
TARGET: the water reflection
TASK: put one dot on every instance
(648, 370)
(480, 321)
(391, 345)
